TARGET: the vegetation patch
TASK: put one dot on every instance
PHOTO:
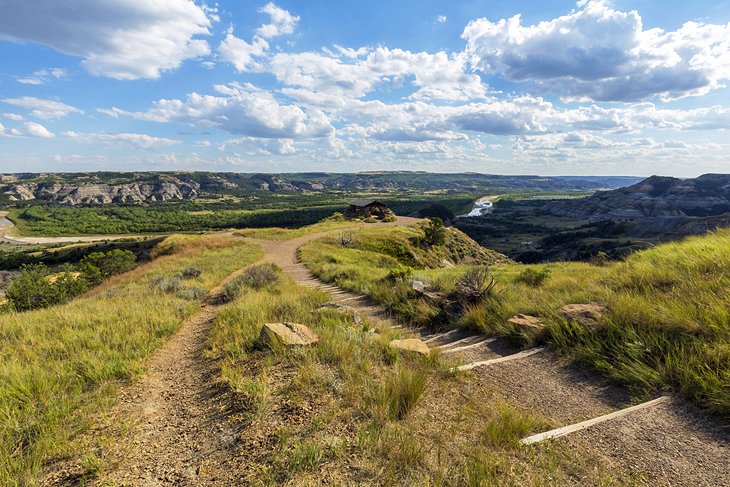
(350, 410)
(61, 364)
(667, 328)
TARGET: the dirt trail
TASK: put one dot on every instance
(183, 436)
(668, 445)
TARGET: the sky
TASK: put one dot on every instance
(595, 87)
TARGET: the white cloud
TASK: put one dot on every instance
(40, 108)
(44, 75)
(282, 22)
(123, 39)
(13, 116)
(240, 53)
(354, 74)
(243, 55)
(598, 53)
(141, 141)
(27, 129)
(441, 19)
(243, 110)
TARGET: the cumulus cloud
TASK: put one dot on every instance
(242, 109)
(123, 39)
(354, 74)
(140, 141)
(598, 53)
(27, 129)
(40, 108)
(243, 55)
(282, 22)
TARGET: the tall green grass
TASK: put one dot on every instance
(58, 365)
(667, 329)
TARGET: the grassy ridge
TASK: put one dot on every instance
(352, 411)
(668, 325)
(59, 364)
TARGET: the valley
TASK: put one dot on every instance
(161, 376)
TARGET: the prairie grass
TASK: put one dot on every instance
(60, 365)
(275, 233)
(668, 325)
(351, 410)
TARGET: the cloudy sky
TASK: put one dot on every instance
(530, 87)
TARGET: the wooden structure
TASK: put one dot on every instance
(364, 208)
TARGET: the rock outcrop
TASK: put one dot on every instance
(101, 193)
(530, 326)
(286, 334)
(585, 314)
(411, 345)
(653, 198)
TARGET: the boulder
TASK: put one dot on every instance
(419, 286)
(532, 326)
(411, 345)
(286, 334)
(585, 314)
(343, 309)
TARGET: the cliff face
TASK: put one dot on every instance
(90, 193)
(654, 198)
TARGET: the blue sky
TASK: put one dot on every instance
(521, 87)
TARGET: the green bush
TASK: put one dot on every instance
(400, 273)
(98, 266)
(434, 233)
(168, 284)
(533, 278)
(35, 287)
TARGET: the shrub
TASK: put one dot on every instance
(389, 218)
(190, 273)
(168, 284)
(195, 293)
(533, 278)
(600, 259)
(260, 275)
(35, 288)
(400, 273)
(434, 233)
(98, 266)
(476, 284)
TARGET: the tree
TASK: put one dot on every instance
(434, 232)
(98, 266)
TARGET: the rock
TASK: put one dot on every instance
(342, 309)
(532, 326)
(411, 345)
(286, 334)
(585, 314)
(420, 287)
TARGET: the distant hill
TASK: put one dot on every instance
(656, 204)
(148, 187)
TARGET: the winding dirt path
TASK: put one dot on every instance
(182, 434)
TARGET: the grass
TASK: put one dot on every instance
(274, 233)
(60, 365)
(351, 410)
(667, 329)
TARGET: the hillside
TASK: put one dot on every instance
(135, 188)
(656, 203)
(146, 379)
